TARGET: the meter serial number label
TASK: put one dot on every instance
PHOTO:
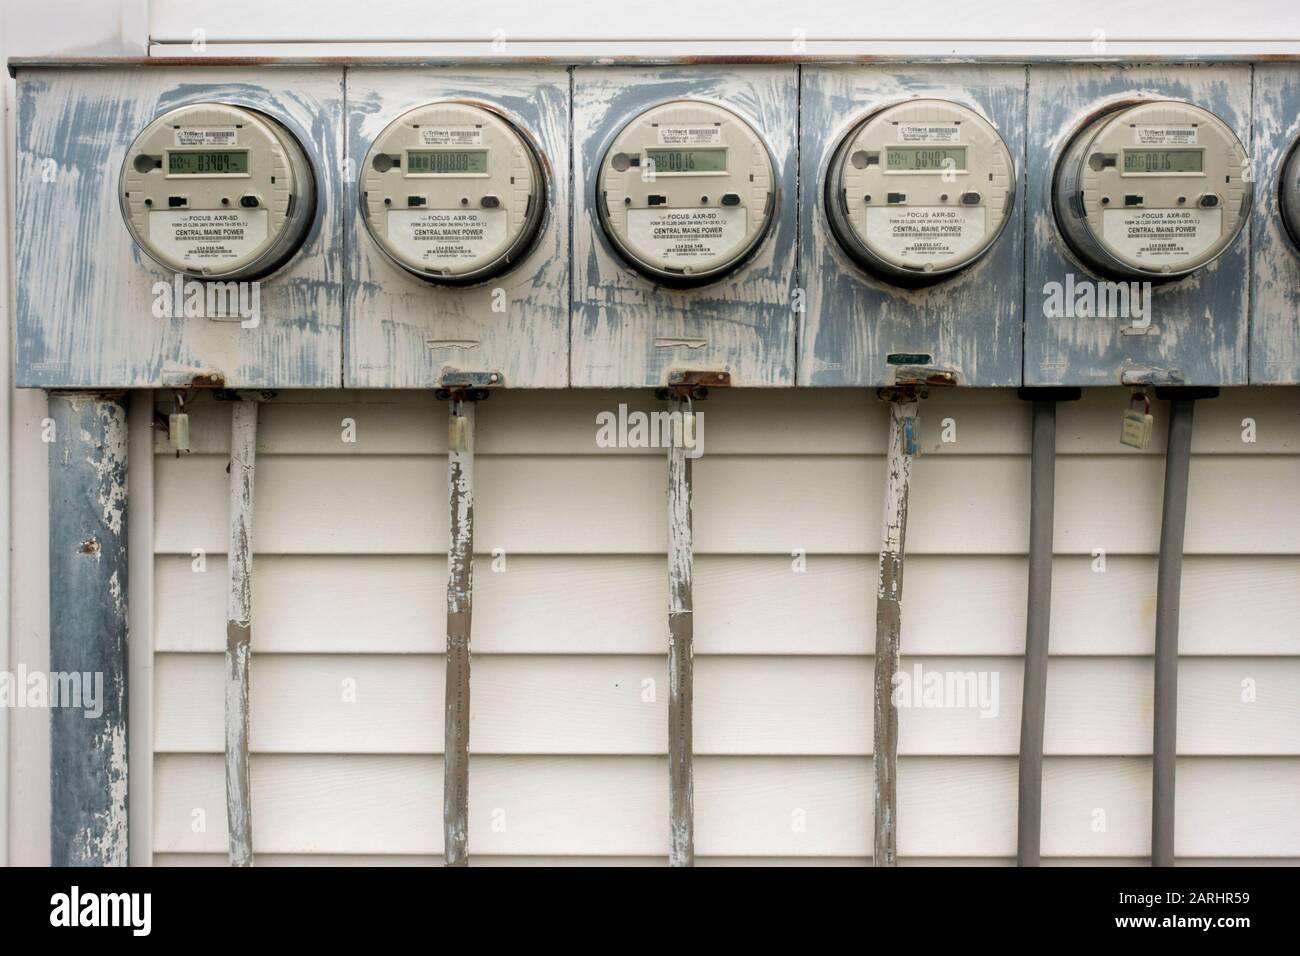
(1162, 235)
(447, 237)
(205, 136)
(682, 237)
(196, 237)
(926, 233)
(938, 133)
(451, 136)
(690, 135)
(1164, 135)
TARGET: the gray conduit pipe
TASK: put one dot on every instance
(1173, 524)
(1042, 496)
(239, 630)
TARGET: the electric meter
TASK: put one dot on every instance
(1151, 191)
(217, 192)
(1288, 194)
(686, 191)
(453, 193)
(920, 189)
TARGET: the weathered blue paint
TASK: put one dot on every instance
(88, 629)
(629, 331)
(1275, 294)
(969, 324)
(402, 332)
(1199, 324)
(85, 292)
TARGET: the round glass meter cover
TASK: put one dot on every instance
(1153, 190)
(453, 192)
(920, 189)
(686, 191)
(217, 191)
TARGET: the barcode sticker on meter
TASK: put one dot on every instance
(1164, 135)
(690, 135)
(206, 136)
(929, 133)
(447, 236)
(451, 136)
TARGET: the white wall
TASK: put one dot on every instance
(350, 577)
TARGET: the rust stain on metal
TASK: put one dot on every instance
(208, 380)
(90, 546)
(693, 377)
(460, 604)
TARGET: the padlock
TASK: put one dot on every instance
(458, 433)
(1137, 426)
(178, 431)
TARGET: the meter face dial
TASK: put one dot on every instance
(1152, 191)
(1288, 194)
(217, 192)
(920, 189)
(453, 193)
(686, 191)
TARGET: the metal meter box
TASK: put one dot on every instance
(178, 225)
(1275, 232)
(1139, 184)
(684, 224)
(911, 223)
(457, 225)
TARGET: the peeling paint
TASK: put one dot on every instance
(460, 606)
(239, 633)
(852, 321)
(746, 319)
(681, 654)
(88, 628)
(1202, 318)
(889, 620)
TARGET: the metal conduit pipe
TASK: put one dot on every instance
(88, 628)
(460, 606)
(239, 630)
(902, 447)
(1042, 501)
(1169, 576)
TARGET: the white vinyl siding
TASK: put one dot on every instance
(568, 737)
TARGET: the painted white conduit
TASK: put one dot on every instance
(889, 611)
(460, 602)
(681, 637)
(239, 562)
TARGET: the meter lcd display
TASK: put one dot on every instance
(208, 163)
(687, 160)
(447, 162)
(1155, 161)
(925, 159)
